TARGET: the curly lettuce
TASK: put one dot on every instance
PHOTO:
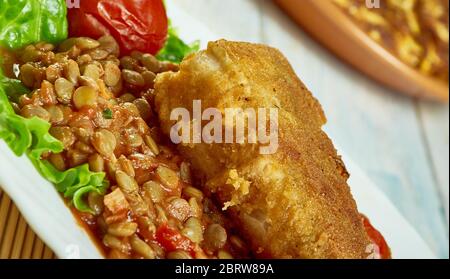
(175, 49)
(14, 86)
(32, 137)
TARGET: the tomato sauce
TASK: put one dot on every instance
(377, 238)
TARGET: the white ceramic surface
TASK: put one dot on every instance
(47, 214)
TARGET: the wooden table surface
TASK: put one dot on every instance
(401, 143)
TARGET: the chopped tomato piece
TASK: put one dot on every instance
(172, 240)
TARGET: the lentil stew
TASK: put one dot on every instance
(99, 106)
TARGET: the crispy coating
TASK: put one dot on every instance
(294, 203)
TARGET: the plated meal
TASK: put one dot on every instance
(92, 110)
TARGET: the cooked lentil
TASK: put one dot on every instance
(152, 209)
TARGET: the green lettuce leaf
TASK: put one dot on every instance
(32, 137)
(74, 183)
(23, 134)
(23, 22)
(175, 49)
(14, 86)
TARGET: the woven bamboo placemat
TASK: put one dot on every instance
(17, 239)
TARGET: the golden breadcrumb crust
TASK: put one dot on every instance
(293, 204)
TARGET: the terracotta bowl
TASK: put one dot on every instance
(336, 31)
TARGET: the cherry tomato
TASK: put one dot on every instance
(136, 24)
(172, 240)
(377, 238)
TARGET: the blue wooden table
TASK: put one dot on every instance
(402, 144)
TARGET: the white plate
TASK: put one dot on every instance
(45, 211)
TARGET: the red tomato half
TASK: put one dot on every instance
(136, 24)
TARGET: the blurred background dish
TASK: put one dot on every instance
(415, 31)
(402, 44)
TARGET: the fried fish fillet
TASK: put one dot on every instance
(294, 203)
